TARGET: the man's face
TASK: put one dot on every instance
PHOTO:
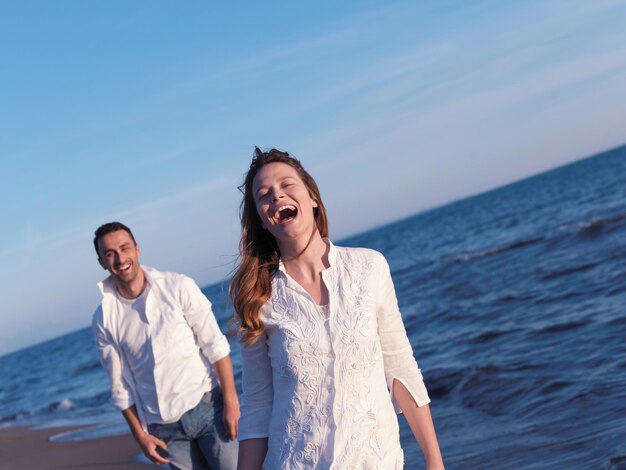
(119, 255)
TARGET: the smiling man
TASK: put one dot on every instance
(167, 360)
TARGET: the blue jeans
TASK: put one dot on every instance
(198, 440)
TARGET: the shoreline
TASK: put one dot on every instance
(23, 447)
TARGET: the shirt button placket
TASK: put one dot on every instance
(333, 392)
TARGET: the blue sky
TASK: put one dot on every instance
(148, 112)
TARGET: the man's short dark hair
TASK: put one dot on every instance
(108, 228)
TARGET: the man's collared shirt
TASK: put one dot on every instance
(160, 357)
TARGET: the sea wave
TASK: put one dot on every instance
(491, 251)
(596, 225)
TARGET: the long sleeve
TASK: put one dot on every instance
(397, 352)
(258, 391)
(111, 360)
(199, 315)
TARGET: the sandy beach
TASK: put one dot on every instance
(24, 448)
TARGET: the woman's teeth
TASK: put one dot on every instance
(286, 213)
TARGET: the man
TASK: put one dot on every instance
(163, 351)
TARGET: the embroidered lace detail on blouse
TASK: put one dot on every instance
(318, 385)
(324, 310)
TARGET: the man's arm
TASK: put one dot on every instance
(147, 442)
(224, 371)
(120, 390)
(213, 345)
(199, 316)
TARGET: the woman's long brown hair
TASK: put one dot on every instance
(259, 255)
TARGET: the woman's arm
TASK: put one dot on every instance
(421, 423)
(252, 453)
(257, 402)
(402, 372)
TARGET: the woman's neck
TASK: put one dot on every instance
(307, 266)
(310, 257)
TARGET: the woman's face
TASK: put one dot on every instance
(283, 202)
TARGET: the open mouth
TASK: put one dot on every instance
(124, 268)
(285, 214)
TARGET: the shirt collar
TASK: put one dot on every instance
(107, 286)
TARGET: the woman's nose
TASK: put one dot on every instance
(277, 194)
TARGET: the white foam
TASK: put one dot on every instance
(66, 404)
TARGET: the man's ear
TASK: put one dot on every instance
(138, 250)
(101, 263)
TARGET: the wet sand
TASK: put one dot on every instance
(24, 448)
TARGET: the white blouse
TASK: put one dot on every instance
(319, 388)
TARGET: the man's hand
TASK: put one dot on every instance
(224, 370)
(231, 415)
(149, 445)
(147, 442)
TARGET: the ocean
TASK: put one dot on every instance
(515, 304)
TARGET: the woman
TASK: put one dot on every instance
(323, 338)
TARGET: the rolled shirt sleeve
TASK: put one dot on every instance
(111, 360)
(199, 315)
(397, 352)
(258, 391)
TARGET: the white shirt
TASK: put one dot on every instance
(160, 358)
(133, 320)
(320, 389)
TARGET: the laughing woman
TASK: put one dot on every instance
(326, 359)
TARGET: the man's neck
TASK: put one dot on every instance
(133, 289)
